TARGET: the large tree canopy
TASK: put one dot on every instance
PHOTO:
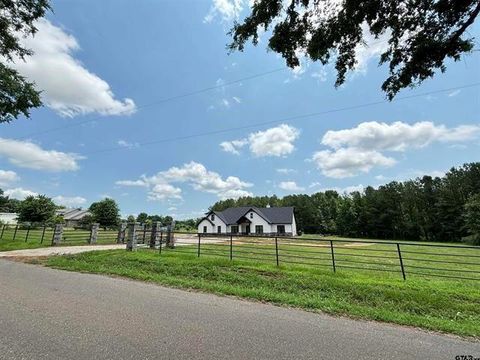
(422, 34)
(17, 20)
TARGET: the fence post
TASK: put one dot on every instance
(276, 249)
(15, 233)
(155, 235)
(57, 234)
(170, 240)
(121, 233)
(401, 261)
(231, 247)
(3, 229)
(28, 232)
(144, 233)
(333, 256)
(43, 234)
(160, 244)
(198, 247)
(93, 234)
(132, 237)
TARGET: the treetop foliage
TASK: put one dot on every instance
(431, 209)
(422, 34)
(17, 20)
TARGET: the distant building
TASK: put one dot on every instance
(8, 218)
(250, 220)
(73, 217)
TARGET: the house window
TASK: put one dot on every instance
(251, 215)
(212, 217)
(281, 229)
(204, 229)
(219, 229)
(258, 229)
(234, 229)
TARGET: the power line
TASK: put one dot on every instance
(292, 118)
(158, 102)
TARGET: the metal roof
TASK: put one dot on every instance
(73, 214)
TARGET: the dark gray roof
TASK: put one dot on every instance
(73, 214)
(273, 215)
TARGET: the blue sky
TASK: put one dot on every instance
(106, 68)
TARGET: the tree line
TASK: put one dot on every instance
(427, 208)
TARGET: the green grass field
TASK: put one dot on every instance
(30, 239)
(451, 306)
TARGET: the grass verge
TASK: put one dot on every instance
(439, 305)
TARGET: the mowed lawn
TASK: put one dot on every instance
(36, 237)
(440, 304)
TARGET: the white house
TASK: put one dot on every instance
(8, 218)
(250, 220)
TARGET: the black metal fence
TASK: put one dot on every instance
(407, 259)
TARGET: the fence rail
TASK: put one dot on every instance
(403, 258)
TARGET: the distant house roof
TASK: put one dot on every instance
(73, 214)
(273, 215)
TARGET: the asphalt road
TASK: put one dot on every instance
(50, 314)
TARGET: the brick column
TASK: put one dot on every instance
(132, 236)
(57, 234)
(93, 234)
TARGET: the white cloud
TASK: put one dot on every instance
(347, 162)
(19, 193)
(314, 184)
(286, 171)
(164, 191)
(398, 136)
(139, 183)
(361, 148)
(197, 176)
(29, 155)
(7, 177)
(226, 10)
(73, 201)
(126, 144)
(454, 93)
(233, 146)
(68, 87)
(276, 141)
(290, 186)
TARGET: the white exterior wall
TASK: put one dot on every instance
(257, 220)
(8, 218)
(212, 228)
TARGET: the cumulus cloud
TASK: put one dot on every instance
(19, 193)
(347, 162)
(286, 171)
(7, 177)
(126, 144)
(362, 148)
(290, 186)
(29, 155)
(398, 136)
(161, 188)
(67, 201)
(139, 183)
(226, 10)
(68, 87)
(276, 141)
(233, 146)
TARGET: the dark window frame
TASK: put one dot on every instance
(281, 229)
(205, 229)
(258, 229)
(234, 227)
(219, 229)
